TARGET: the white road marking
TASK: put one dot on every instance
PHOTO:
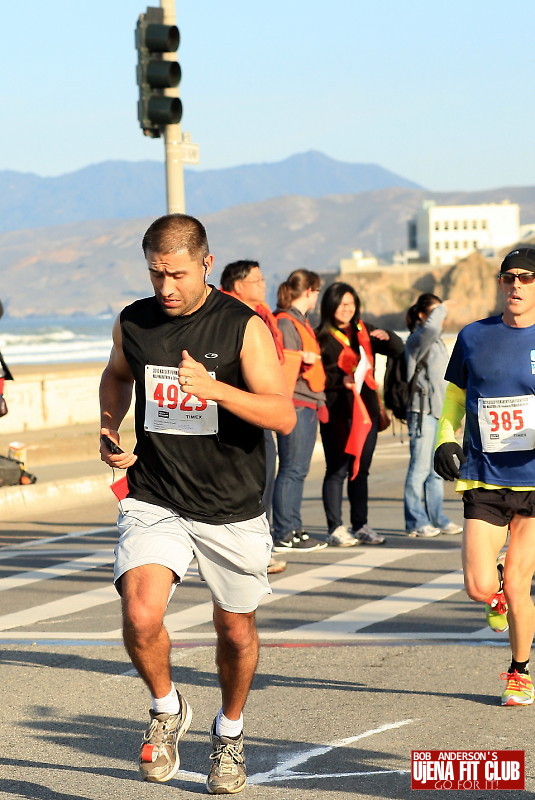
(7, 552)
(346, 624)
(296, 584)
(198, 777)
(60, 608)
(285, 768)
(487, 633)
(208, 637)
(61, 570)
(66, 607)
(284, 771)
(305, 776)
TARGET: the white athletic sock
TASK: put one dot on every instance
(228, 727)
(168, 704)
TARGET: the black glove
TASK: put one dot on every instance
(445, 464)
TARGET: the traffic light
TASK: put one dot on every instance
(155, 73)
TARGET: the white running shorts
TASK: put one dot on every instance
(232, 559)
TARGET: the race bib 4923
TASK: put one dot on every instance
(170, 410)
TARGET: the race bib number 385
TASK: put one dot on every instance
(170, 410)
(506, 423)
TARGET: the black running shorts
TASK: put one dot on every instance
(498, 506)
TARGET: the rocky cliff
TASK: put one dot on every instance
(386, 294)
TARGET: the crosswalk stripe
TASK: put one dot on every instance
(66, 607)
(59, 608)
(343, 626)
(9, 550)
(487, 633)
(207, 637)
(346, 624)
(60, 570)
(202, 612)
(296, 584)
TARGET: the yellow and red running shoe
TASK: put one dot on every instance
(519, 689)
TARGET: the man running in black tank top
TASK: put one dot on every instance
(208, 381)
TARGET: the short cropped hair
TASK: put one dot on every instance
(236, 271)
(175, 233)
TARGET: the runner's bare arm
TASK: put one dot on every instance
(115, 398)
(267, 403)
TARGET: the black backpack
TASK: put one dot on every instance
(397, 390)
(12, 473)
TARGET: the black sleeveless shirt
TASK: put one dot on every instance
(215, 478)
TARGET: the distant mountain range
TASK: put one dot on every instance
(125, 190)
(71, 245)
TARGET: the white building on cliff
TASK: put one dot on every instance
(445, 234)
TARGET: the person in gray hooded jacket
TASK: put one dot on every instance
(426, 355)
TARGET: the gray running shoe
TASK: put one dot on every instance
(367, 535)
(159, 760)
(227, 775)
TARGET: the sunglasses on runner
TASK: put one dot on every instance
(510, 277)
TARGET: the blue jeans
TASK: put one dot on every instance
(295, 453)
(424, 489)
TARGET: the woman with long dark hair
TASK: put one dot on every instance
(348, 349)
(295, 298)
(425, 350)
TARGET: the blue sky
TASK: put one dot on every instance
(440, 93)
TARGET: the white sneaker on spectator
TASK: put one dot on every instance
(452, 528)
(341, 537)
(424, 532)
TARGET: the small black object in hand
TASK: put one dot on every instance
(110, 444)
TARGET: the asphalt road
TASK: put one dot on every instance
(368, 653)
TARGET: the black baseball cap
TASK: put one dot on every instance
(519, 259)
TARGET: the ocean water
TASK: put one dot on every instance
(52, 340)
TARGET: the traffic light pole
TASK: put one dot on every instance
(174, 170)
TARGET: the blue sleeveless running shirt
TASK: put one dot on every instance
(495, 364)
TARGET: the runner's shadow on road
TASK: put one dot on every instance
(35, 791)
(64, 661)
(26, 763)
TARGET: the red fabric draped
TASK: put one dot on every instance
(360, 422)
(360, 428)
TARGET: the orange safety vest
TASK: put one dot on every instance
(314, 374)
